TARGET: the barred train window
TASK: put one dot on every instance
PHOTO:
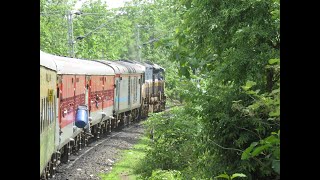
(129, 82)
(49, 112)
(54, 108)
(51, 109)
(48, 115)
(137, 88)
(133, 90)
(41, 116)
(46, 112)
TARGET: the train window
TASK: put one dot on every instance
(40, 114)
(54, 108)
(105, 79)
(129, 91)
(135, 89)
(47, 121)
(49, 108)
(50, 112)
(41, 117)
(46, 112)
(58, 91)
(48, 77)
(43, 114)
(47, 117)
(72, 80)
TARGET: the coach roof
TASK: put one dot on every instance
(46, 60)
(133, 66)
(66, 65)
(117, 67)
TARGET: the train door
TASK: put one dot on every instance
(87, 85)
(129, 92)
(117, 95)
(108, 95)
(80, 89)
(153, 84)
(96, 90)
(67, 111)
(103, 93)
(58, 112)
(140, 81)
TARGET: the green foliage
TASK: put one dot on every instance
(233, 176)
(53, 26)
(164, 174)
(233, 48)
(269, 148)
(174, 137)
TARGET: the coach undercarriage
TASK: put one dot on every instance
(83, 139)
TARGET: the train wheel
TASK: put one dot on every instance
(106, 126)
(80, 141)
(110, 125)
(48, 170)
(44, 175)
(65, 154)
(53, 165)
(98, 130)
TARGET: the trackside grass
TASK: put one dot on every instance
(129, 159)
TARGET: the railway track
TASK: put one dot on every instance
(100, 155)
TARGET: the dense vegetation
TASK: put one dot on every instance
(222, 60)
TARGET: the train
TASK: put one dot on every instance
(81, 99)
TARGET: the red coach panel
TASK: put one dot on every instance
(96, 92)
(80, 89)
(108, 92)
(67, 111)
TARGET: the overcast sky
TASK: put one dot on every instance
(110, 3)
